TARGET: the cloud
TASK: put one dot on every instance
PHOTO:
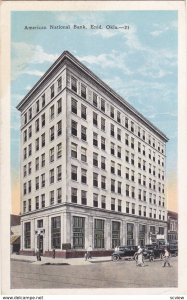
(36, 73)
(163, 28)
(24, 55)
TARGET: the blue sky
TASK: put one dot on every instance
(140, 63)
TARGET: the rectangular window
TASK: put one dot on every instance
(52, 91)
(27, 235)
(94, 118)
(74, 84)
(37, 144)
(78, 232)
(52, 197)
(29, 168)
(51, 155)
(112, 130)
(59, 173)
(59, 150)
(95, 99)
(103, 164)
(59, 128)
(126, 122)
(59, 195)
(43, 160)
(103, 105)
(52, 112)
(130, 234)
(119, 117)
(43, 180)
(99, 233)
(112, 204)
(52, 133)
(83, 133)
(95, 179)
(29, 205)
(37, 163)
(113, 185)
(119, 151)
(73, 150)
(102, 124)
(37, 202)
(43, 120)
(30, 113)
(112, 149)
(59, 106)
(95, 139)
(95, 200)
(83, 91)
(56, 232)
(83, 154)
(119, 187)
(103, 146)
(24, 171)
(73, 106)
(103, 201)
(24, 188)
(59, 83)
(119, 134)
(103, 182)
(73, 195)
(37, 106)
(25, 136)
(30, 149)
(83, 112)
(119, 205)
(39, 223)
(112, 112)
(51, 176)
(115, 234)
(127, 190)
(84, 197)
(30, 131)
(73, 128)
(43, 140)
(43, 200)
(43, 100)
(95, 159)
(37, 183)
(112, 168)
(74, 173)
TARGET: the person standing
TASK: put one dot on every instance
(88, 253)
(166, 258)
(54, 253)
(139, 254)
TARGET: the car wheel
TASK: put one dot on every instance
(115, 258)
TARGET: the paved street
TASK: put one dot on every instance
(95, 274)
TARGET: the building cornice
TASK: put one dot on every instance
(57, 65)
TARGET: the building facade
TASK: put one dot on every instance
(92, 167)
(172, 226)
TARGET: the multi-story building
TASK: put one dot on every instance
(92, 167)
(172, 226)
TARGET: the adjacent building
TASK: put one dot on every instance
(15, 233)
(92, 167)
(172, 227)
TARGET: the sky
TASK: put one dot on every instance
(139, 63)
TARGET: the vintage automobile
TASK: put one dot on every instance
(124, 251)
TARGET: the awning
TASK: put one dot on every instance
(14, 239)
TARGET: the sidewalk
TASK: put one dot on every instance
(56, 261)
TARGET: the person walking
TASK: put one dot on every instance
(166, 258)
(88, 253)
(139, 255)
(54, 253)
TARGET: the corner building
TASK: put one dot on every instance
(92, 167)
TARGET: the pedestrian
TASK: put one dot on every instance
(166, 258)
(54, 253)
(116, 248)
(38, 257)
(88, 254)
(139, 254)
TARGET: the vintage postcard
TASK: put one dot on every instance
(93, 115)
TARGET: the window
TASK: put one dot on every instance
(59, 128)
(127, 207)
(73, 150)
(119, 170)
(144, 180)
(37, 144)
(74, 106)
(84, 197)
(119, 187)
(99, 233)
(139, 163)
(27, 235)
(103, 164)
(127, 173)
(132, 126)
(139, 178)
(40, 223)
(52, 91)
(25, 135)
(112, 130)
(37, 128)
(37, 202)
(103, 182)
(112, 204)
(133, 208)
(95, 99)
(52, 197)
(74, 84)
(95, 200)
(73, 195)
(83, 112)
(25, 171)
(25, 119)
(130, 234)
(37, 106)
(37, 163)
(51, 155)
(30, 149)
(95, 159)
(51, 176)
(126, 139)
(127, 156)
(24, 188)
(43, 120)
(73, 128)
(142, 234)
(132, 142)
(83, 133)
(113, 185)
(127, 190)
(112, 150)
(43, 180)
(78, 232)
(126, 122)
(94, 118)
(59, 195)
(52, 133)
(144, 195)
(95, 179)
(150, 212)
(43, 200)
(119, 205)
(112, 111)
(59, 106)
(115, 234)
(37, 183)
(43, 100)
(95, 139)
(112, 169)
(43, 160)
(30, 131)
(83, 176)
(24, 206)
(83, 154)
(102, 124)
(56, 232)
(52, 112)
(59, 150)
(144, 211)
(30, 113)
(103, 201)
(103, 143)
(119, 151)
(59, 173)
(83, 91)
(119, 134)
(43, 139)
(140, 194)
(59, 83)
(118, 117)
(74, 173)
(103, 105)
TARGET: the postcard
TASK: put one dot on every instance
(93, 116)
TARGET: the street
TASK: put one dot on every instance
(121, 274)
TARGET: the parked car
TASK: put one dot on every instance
(153, 251)
(124, 251)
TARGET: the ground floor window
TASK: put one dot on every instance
(142, 234)
(115, 234)
(99, 233)
(78, 232)
(161, 230)
(130, 234)
(27, 235)
(56, 232)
